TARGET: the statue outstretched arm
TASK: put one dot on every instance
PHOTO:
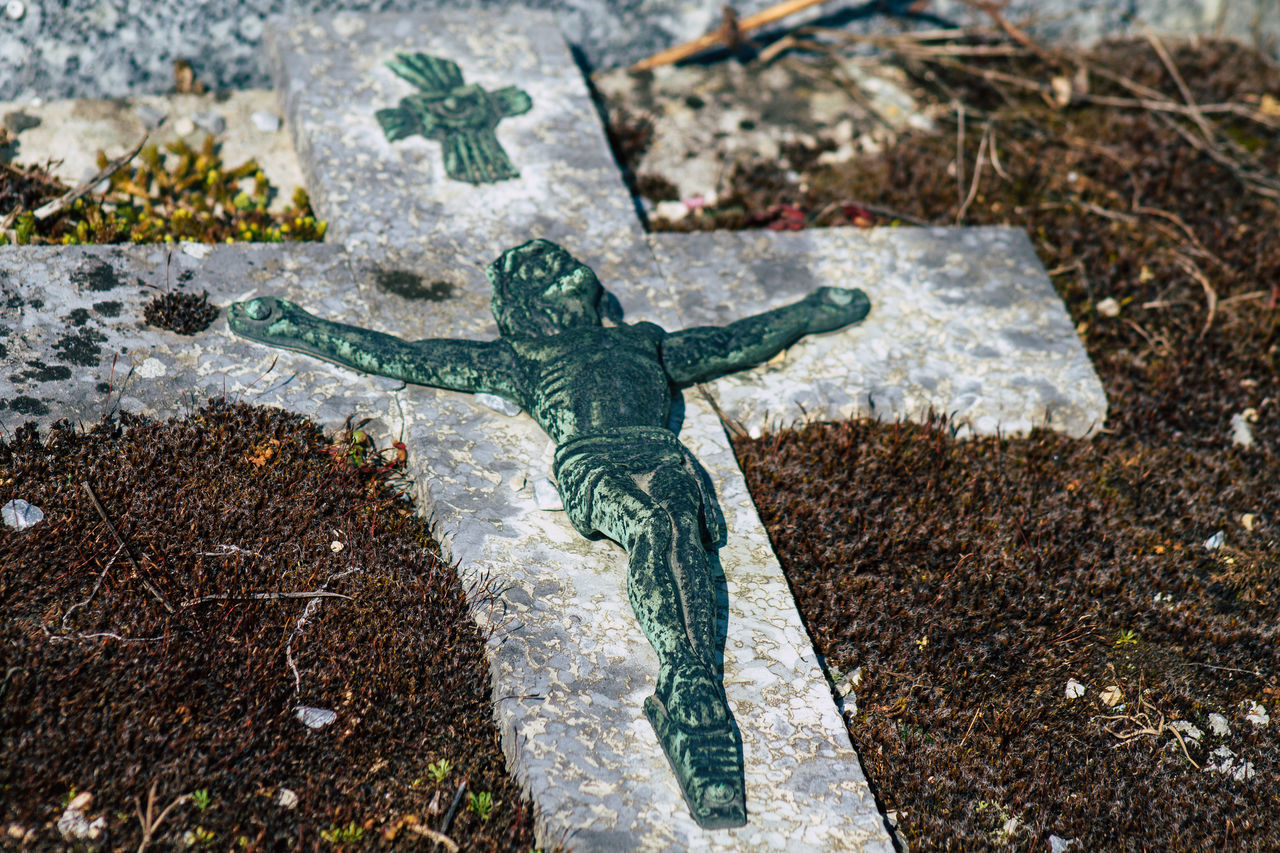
(458, 365)
(705, 352)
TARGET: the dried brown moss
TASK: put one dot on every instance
(970, 580)
(107, 692)
(184, 313)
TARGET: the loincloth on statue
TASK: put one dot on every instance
(587, 469)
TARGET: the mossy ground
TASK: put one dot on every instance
(162, 196)
(105, 691)
(969, 581)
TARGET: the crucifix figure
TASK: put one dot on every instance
(462, 117)
(603, 390)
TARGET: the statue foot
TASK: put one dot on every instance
(692, 697)
(708, 765)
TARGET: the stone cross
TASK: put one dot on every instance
(965, 322)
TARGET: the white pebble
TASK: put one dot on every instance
(210, 122)
(1074, 689)
(15, 9)
(498, 404)
(546, 495)
(265, 122)
(1218, 725)
(184, 127)
(1111, 696)
(1256, 714)
(1241, 428)
(1225, 762)
(315, 718)
(20, 515)
(1215, 541)
(1109, 307)
(672, 211)
(335, 546)
(1061, 845)
(1187, 730)
(287, 798)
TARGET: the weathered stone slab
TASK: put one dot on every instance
(571, 667)
(333, 78)
(963, 321)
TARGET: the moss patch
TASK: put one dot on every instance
(164, 196)
(106, 691)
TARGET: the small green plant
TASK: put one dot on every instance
(69, 796)
(198, 837)
(439, 769)
(201, 799)
(348, 834)
(1126, 638)
(482, 804)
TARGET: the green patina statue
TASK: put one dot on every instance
(461, 117)
(603, 390)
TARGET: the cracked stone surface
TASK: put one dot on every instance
(963, 320)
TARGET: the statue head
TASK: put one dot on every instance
(539, 290)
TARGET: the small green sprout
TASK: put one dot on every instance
(1126, 638)
(439, 769)
(348, 834)
(198, 837)
(482, 804)
(200, 798)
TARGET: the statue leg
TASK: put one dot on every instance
(657, 518)
(625, 512)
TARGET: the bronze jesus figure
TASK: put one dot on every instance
(604, 395)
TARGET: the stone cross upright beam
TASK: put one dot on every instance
(962, 320)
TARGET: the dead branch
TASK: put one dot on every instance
(261, 596)
(1210, 295)
(724, 34)
(977, 173)
(69, 197)
(437, 837)
(150, 820)
(1165, 59)
(1143, 724)
(147, 584)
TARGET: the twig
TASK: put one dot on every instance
(995, 157)
(969, 730)
(147, 584)
(746, 25)
(977, 173)
(959, 149)
(69, 197)
(1244, 297)
(995, 11)
(453, 807)
(150, 821)
(98, 585)
(437, 837)
(302, 621)
(261, 596)
(1167, 61)
(1210, 295)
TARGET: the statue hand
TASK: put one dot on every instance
(835, 307)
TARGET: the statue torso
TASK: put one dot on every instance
(593, 377)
